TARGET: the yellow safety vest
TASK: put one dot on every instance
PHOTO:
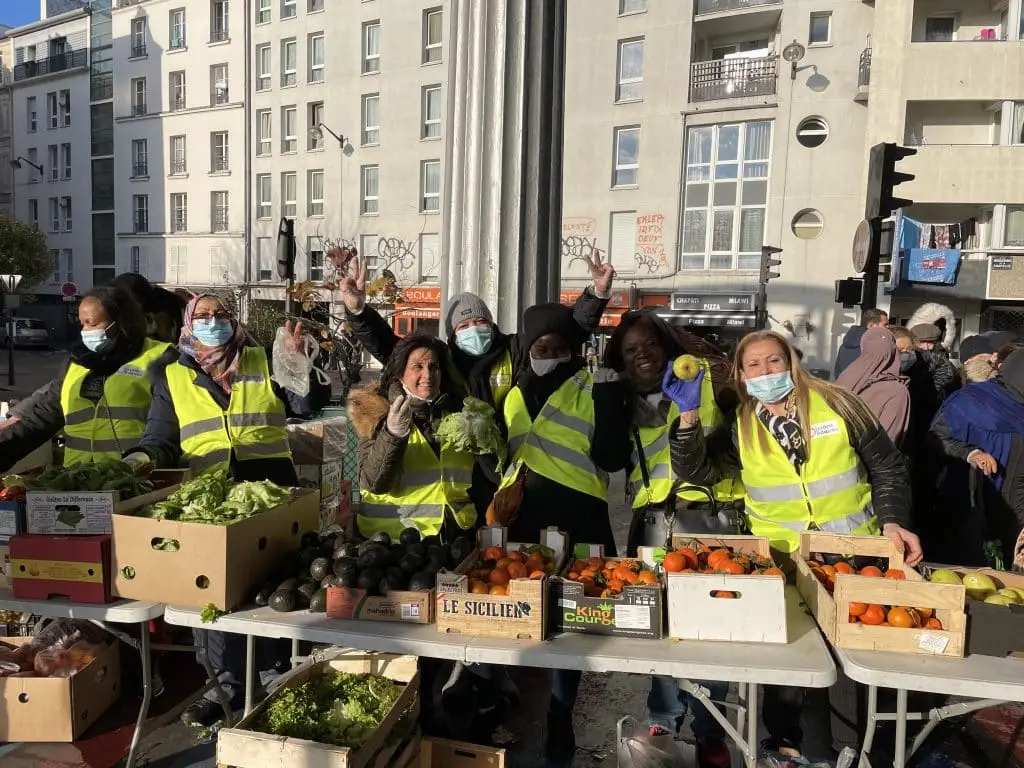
(557, 444)
(831, 492)
(115, 424)
(659, 460)
(426, 487)
(501, 379)
(253, 426)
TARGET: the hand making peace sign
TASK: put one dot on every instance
(601, 273)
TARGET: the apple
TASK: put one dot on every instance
(979, 586)
(1019, 591)
(1009, 593)
(998, 599)
(945, 576)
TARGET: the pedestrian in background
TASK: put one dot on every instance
(850, 348)
(876, 379)
(977, 359)
(942, 372)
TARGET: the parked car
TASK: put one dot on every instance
(26, 332)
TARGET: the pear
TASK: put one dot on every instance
(945, 576)
(1019, 591)
(1010, 593)
(979, 585)
(998, 599)
(686, 367)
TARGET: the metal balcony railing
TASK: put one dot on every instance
(219, 34)
(177, 43)
(58, 63)
(140, 170)
(733, 78)
(179, 223)
(177, 104)
(178, 167)
(138, 108)
(138, 51)
(219, 223)
(864, 69)
(141, 223)
(218, 165)
(219, 96)
(717, 6)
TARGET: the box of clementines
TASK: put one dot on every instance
(723, 588)
(505, 594)
(865, 597)
(606, 596)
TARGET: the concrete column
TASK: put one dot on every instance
(503, 169)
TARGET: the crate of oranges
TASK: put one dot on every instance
(723, 588)
(865, 597)
(607, 596)
(505, 593)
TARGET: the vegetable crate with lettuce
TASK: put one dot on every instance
(352, 709)
(210, 542)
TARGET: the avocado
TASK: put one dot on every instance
(377, 557)
(262, 598)
(421, 582)
(288, 584)
(381, 537)
(309, 539)
(436, 561)
(409, 536)
(330, 580)
(345, 565)
(318, 602)
(370, 580)
(307, 556)
(283, 600)
(416, 549)
(347, 580)
(396, 577)
(460, 549)
(319, 568)
(307, 588)
(411, 563)
(431, 541)
(346, 549)
(329, 542)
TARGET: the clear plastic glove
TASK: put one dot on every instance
(400, 416)
(685, 394)
(139, 463)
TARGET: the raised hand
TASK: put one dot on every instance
(400, 416)
(293, 339)
(353, 287)
(601, 272)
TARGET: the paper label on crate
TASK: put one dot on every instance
(57, 570)
(564, 603)
(926, 641)
(824, 429)
(632, 617)
(61, 513)
(410, 611)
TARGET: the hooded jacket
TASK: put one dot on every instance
(849, 350)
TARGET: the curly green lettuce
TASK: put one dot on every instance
(471, 430)
(213, 499)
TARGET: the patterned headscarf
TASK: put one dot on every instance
(219, 363)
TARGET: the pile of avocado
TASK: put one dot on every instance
(376, 565)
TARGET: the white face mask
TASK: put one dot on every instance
(544, 367)
(414, 397)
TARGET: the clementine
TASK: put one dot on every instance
(499, 576)
(689, 556)
(499, 589)
(674, 562)
(843, 567)
(731, 567)
(646, 577)
(900, 617)
(478, 588)
(932, 623)
(870, 570)
(875, 615)
(516, 570)
(858, 609)
(493, 553)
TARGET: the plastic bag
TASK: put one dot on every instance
(635, 749)
(846, 759)
(292, 369)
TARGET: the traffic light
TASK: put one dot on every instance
(767, 262)
(883, 177)
(286, 250)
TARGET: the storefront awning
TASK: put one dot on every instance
(714, 319)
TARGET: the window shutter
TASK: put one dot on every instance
(623, 239)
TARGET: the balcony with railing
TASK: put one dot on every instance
(57, 63)
(219, 164)
(178, 168)
(735, 78)
(705, 7)
(219, 34)
(139, 109)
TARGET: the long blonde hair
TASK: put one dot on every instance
(851, 409)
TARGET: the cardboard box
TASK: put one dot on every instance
(61, 568)
(242, 747)
(58, 708)
(326, 480)
(832, 610)
(522, 613)
(636, 612)
(5, 564)
(12, 518)
(218, 564)
(320, 441)
(442, 753)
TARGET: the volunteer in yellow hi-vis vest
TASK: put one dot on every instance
(407, 479)
(216, 407)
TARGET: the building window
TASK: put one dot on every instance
(177, 27)
(315, 55)
(371, 119)
(140, 213)
(807, 224)
(177, 90)
(32, 116)
(430, 257)
(179, 212)
(630, 85)
(1014, 227)
(315, 193)
(940, 29)
(812, 132)
(371, 47)
(219, 21)
(55, 215)
(315, 250)
(178, 165)
(726, 191)
(135, 259)
(622, 250)
(219, 211)
(263, 132)
(138, 37)
(265, 258)
(820, 32)
(218, 151)
(289, 129)
(288, 8)
(140, 158)
(263, 65)
(289, 192)
(53, 162)
(218, 84)
(33, 155)
(627, 157)
(65, 213)
(263, 11)
(51, 110)
(33, 212)
(264, 203)
(315, 5)
(139, 96)
(369, 189)
(430, 186)
(69, 264)
(432, 34)
(55, 265)
(368, 252)
(289, 59)
(632, 6)
(64, 105)
(65, 160)
(315, 136)
(431, 112)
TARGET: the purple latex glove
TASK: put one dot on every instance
(685, 394)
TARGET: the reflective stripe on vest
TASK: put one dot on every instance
(831, 492)
(426, 487)
(501, 380)
(557, 444)
(105, 430)
(253, 426)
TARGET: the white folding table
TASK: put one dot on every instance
(987, 679)
(803, 662)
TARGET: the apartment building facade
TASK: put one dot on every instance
(6, 117)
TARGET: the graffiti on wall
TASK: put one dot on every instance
(650, 254)
(578, 240)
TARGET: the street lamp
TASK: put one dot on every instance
(16, 165)
(346, 149)
(9, 284)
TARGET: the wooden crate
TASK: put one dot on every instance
(832, 610)
(241, 747)
(756, 615)
(442, 753)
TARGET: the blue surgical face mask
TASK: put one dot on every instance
(96, 341)
(213, 333)
(474, 340)
(770, 388)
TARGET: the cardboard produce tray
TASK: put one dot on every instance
(832, 610)
(522, 613)
(218, 564)
(242, 747)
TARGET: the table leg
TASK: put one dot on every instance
(741, 712)
(250, 674)
(701, 695)
(752, 718)
(147, 692)
(900, 756)
(869, 727)
(211, 677)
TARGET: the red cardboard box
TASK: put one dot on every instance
(61, 568)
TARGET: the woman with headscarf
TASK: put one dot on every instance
(875, 378)
(216, 406)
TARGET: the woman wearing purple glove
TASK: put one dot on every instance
(685, 394)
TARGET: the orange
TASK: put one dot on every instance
(932, 624)
(843, 567)
(616, 584)
(858, 609)
(900, 617)
(895, 573)
(926, 613)
(595, 563)
(689, 556)
(875, 615)
(478, 588)
(724, 593)
(674, 562)
(773, 572)
(540, 575)
(499, 589)
(536, 563)
(516, 570)
(516, 557)
(502, 562)
(499, 576)
(829, 571)
(731, 567)
(493, 553)
(870, 570)
(646, 577)
(718, 556)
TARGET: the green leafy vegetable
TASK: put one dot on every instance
(103, 475)
(210, 613)
(213, 498)
(472, 430)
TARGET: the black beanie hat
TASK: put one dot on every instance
(542, 319)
